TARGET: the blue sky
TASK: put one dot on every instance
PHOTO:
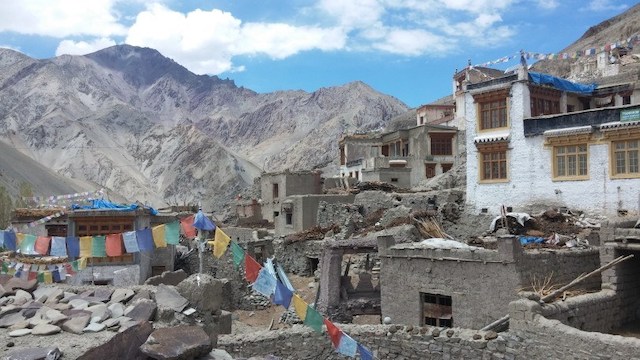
(405, 48)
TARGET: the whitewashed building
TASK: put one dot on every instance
(534, 141)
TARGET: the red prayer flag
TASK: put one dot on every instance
(187, 227)
(251, 268)
(334, 333)
(32, 275)
(42, 245)
(69, 269)
(114, 245)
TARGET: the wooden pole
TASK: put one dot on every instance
(554, 294)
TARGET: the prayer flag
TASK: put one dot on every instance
(75, 265)
(187, 227)
(98, 246)
(55, 274)
(85, 246)
(2, 238)
(42, 245)
(283, 277)
(347, 346)
(238, 253)
(19, 238)
(365, 354)
(334, 332)
(40, 277)
(69, 268)
(265, 283)
(5, 267)
(130, 242)
(299, 306)
(158, 236)
(32, 275)
(82, 263)
(282, 295)
(251, 269)
(48, 279)
(220, 243)
(145, 240)
(63, 272)
(172, 233)
(73, 246)
(113, 245)
(10, 240)
(313, 319)
(27, 246)
(58, 246)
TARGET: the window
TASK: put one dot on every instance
(430, 170)
(394, 180)
(289, 218)
(626, 100)
(421, 120)
(493, 165)
(441, 144)
(493, 114)
(570, 161)
(276, 191)
(436, 310)
(446, 167)
(544, 106)
(106, 226)
(625, 158)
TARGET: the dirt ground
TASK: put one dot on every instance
(248, 321)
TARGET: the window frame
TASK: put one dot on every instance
(489, 148)
(555, 166)
(114, 225)
(440, 141)
(488, 98)
(613, 163)
(436, 305)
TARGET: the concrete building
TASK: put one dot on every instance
(275, 187)
(300, 212)
(440, 112)
(468, 287)
(403, 158)
(534, 139)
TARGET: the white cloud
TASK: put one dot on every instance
(60, 18)
(602, 5)
(70, 47)
(353, 13)
(548, 4)
(206, 41)
(413, 42)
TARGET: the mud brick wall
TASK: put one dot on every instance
(562, 265)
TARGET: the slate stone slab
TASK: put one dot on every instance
(10, 319)
(17, 283)
(45, 329)
(34, 353)
(124, 345)
(94, 327)
(203, 291)
(180, 342)
(121, 295)
(143, 309)
(116, 309)
(76, 324)
(169, 297)
(20, 332)
(167, 278)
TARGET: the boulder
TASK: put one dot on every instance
(167, 278)
(76, 324)
(124, 345)
(121, 295)
(79, 303)
(143, 309)
(11, 319)
(17, 283)
(224, 322)
(203, 291)
(101, 311)
(169, 297)
(45, 329)
(180, 342)
(34, 353)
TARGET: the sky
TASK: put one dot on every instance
(408, 49)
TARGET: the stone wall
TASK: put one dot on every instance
(562, 265)
(370, 201)
(295, 256)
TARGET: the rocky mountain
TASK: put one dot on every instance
(617, 28)
(132, 120)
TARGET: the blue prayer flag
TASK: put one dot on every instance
(10, 240)
(145, 240)
(73, 246)
(347, 346)
(365, 354)
(265, 283)
(282, 295)
(58, 246)
(130, 242)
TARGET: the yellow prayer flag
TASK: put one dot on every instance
(220, 243)
(85, 246)
(82, 263)
(300, 306)
(158, 236)
(48, 279)
(19, 238)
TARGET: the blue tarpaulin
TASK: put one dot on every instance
(524, 240)
(561, 84)
(101, 204)
(202, 222)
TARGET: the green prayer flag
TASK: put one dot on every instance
(5, 267)
(314, 320)
(74, 265)
(172, 233)
(238, 254)
(40, 277)
(98, 246)
(27, 246)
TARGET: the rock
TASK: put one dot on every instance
(60, 306)
(3, 292)
(17, 283)
(143, 309)
(124, 345)
(116, 309)
(100, 311)
(121, 295)
(167, 278)
(224, 323)
(218, 354)
(43, 291)
(39, 319)
(203, 291)
(110, 323)
(180, 342)
(169, 297)
(141, 294)
(55, 316)
(102, 294)
(10, 319)
(45, 329)
(20, 325)
(394, 213)
(435, 332)
(76, 324)
(34, 353)
(490, 335)
(94, 327)
(79, 304)
(20, 332)
(477, 337)
(189, 311)
(23, 294)
(55, 296)
(67, 296)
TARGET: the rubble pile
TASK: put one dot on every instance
(314, 233)
(374, 185)
(188, 311)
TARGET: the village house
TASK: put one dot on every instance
(439, 112)
(275, 187)
(534, 139)
(402, 158)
